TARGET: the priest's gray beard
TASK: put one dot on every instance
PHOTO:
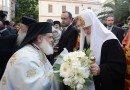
(46, 47)
(88, 38)
(21, 36)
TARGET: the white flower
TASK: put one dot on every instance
(74, 69)
(65, 70)
(81, 79)
(80, 54)
(66, 57)
(84, 72)
(79, 86)
(76, 63)
(67, 81)
(84, 58)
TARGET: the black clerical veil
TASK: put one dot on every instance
(34, 30)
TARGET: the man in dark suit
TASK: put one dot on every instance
(68, 38)
(3, 29)
(116, 30)
(69, 34)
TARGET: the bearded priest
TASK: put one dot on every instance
(28, 68)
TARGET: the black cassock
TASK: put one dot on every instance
(7, 45)
(112, 67)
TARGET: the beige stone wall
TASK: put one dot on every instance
(70, 6)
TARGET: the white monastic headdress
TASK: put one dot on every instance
(99, 33)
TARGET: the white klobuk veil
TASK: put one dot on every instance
(99, 33)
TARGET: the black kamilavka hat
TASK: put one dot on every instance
(27, 20)
(57, 22)
(36, 29)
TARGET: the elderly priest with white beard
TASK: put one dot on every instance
(110, 64)
(28, 68)
(25, 23)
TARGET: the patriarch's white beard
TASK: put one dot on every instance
(88, 38)
(21, 36)
(46, 47)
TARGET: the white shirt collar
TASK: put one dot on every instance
(110, 28)
(67, 26)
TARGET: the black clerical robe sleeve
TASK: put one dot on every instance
(112, 66)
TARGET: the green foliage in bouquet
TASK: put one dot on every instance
(56, 67)
(89, 81)
(87, 51)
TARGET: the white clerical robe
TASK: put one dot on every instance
(28, 69)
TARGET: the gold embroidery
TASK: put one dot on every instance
(43, 58)
(13, 59)
(50, 76)
(31, 73)
(3, 80)
(41, 55)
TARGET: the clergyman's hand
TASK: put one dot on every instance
(95, 69)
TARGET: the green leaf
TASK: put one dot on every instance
(88, 51)
(58, 77)
(74, 49)
(26, 7)
(90, 77)
(69, 88)
(89, 81)
(56, 67)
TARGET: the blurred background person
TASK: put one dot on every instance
(9, 27)
(77, 23)
(69, 34)
(116, 30)
(17, 27)
(12, 23)
(25, 22)
(56, 31)
(50, 21)
(68, 38)
(7, 41)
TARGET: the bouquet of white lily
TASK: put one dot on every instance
(73, 70)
